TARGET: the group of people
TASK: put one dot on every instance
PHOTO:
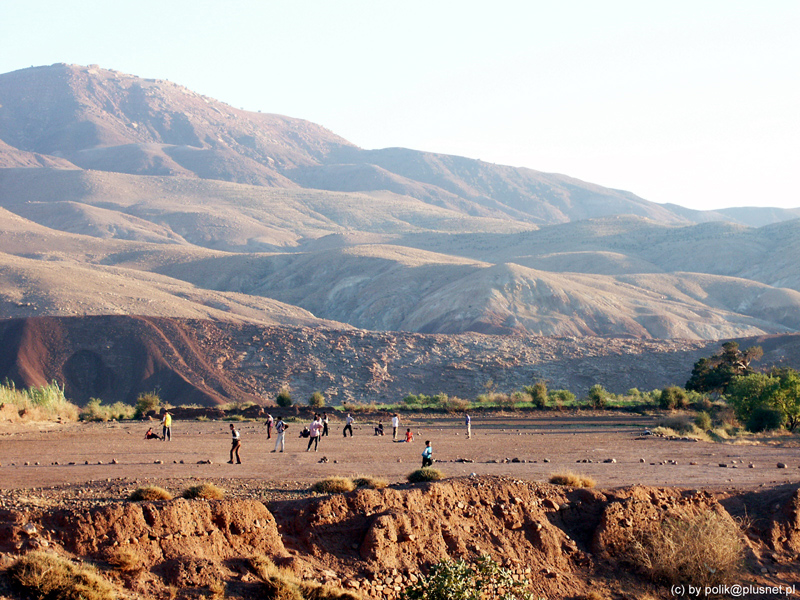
(316, 430)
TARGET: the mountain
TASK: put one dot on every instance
(121, 195)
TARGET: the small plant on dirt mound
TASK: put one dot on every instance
(457, 580)
(47, 575)
(149, 493)
(282, 584)
(126, 560)
(372, 483)
(204, 491)
(572, 479)
(424, 474)
(706, 549)
(334, 485)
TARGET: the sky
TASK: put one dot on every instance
(695, 102)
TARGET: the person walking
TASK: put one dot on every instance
(166, 424)
(395, 425)
(280, 435)
(269, 422)
(427, 455)
(348, 425)
(468, 423)
(315, 430)
(236, 444)
(324, 424)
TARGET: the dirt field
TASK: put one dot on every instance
(542, 445)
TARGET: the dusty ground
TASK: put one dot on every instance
(568, 543)
(542, 444)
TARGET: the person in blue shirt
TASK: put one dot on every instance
(427, 454)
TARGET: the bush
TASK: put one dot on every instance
(43, 403)
(372, 483)
(703, 420)
(424, 474)
(126, 560)
(146, 403)
(538, 394)
(706, 549)
(205, 491)
(317, 400)
(284, 398)
(559, 398)
(764, 419)
(149, 493)
(456, 580)
(95, 411)
(334, 485)
(598, 396)
(47, 575)
(673, 397)
(681, 424)
(572, 479)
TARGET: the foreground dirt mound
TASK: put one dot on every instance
(566, 542)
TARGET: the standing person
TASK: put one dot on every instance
(427, 454)
(166, 424)
(468, 423)
(236, 443)
(269, 422)
(348, 425)
(395, 425)
(316, 431)
(325, 424)
(280, 435)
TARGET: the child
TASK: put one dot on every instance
(409, 436)
(427, 454)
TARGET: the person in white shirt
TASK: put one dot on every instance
(236, 443)
(348, 425)
(280, 434)
(395, 425)
(316, 432)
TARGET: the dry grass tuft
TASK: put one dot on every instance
(369, 482)
(334, 485)
(47, 575)
(706, 548)
(126, 561)
(572, 479)
(204, 491)
(149, 493)
(282, 584)
(424, 474)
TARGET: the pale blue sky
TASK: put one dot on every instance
(692, 102)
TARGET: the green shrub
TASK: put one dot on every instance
(456, 580)
(48, 576)
(149, 493)
(559, 398)
(764, 419)
(284, 398)
(682, 424)
(146, 403)
(205, 491)
(673, 397)
(38, 403)
(598, 396)
(317, 400)
(334, 485)
(538, 394)
(703, 420)
(424, 474)
(96, 411)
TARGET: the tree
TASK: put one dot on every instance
(778, 390)
(673, 397)
(714, 374)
